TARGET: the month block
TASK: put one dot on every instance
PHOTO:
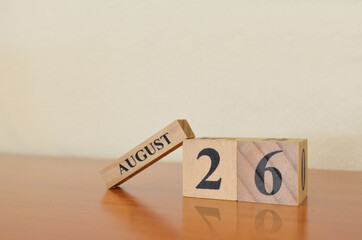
(256, 170)
(148, 152)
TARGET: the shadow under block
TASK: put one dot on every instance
(246, 169)
(209, 218)
(148, 152)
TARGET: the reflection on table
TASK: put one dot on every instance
(219, 219)
(208, 218)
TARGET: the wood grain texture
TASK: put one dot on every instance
(147, 153)
(195, 169)
(286, 160)
(64, 198)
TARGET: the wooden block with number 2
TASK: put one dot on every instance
(246, 169)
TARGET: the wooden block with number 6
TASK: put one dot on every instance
(210, 168)
(272, 170)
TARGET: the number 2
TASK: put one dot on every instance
(215, 160)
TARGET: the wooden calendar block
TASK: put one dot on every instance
(246, 169)
(272, 170)
(148, 152)
(210, 168)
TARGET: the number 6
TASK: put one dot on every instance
(260, 171)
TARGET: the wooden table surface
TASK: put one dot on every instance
(65, 198)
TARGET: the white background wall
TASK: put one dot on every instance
(95, 78)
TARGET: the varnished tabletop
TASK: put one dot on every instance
(64, 198)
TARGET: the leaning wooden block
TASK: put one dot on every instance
(147, 153)
(272, 170)
(210, 168)
(246, 169)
